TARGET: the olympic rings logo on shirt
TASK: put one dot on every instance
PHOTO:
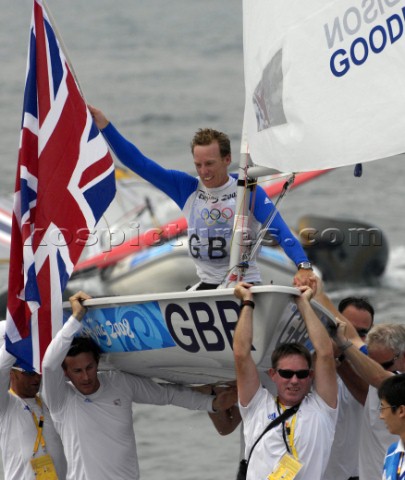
(215, 215)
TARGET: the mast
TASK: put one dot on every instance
(241, 240)
(243, 245)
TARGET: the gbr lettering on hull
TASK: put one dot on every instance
(196, 327)
(193, 326)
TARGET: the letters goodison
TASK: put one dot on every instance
(381, 35)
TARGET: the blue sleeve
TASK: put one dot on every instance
(364, 349)
(279, 230)
(391, 462)
(177, 185)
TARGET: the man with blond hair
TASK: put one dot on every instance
(209, 203)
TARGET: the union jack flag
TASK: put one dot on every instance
(64, 183)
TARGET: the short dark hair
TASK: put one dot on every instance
(393, 390)
(287, 349)
(360, 303)
(206, 136)
(83, 345)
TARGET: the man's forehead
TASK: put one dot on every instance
(292, 358)
(355, 314)
(80, 359)
(379, 349)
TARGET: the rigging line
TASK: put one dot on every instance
(263, 231)
(279, 177)
(246, 254)
(63, 47)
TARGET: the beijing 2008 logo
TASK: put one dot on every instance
(216, 216)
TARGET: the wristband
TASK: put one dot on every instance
(345, 346)
(247, 303)
(364, 349)
(305, 266)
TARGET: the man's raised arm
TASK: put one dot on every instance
(325, 365)
(369, 370)
(53, 377)
(247, 375)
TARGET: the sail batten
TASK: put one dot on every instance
(325, 82)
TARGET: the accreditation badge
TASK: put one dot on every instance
(44, 468)
(286, 469)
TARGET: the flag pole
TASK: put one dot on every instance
(63, 47)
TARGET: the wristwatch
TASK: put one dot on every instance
(304, 266)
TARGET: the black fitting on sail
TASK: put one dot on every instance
(358, 170)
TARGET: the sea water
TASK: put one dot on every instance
(160, 70)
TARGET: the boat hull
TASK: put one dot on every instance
(186, 337)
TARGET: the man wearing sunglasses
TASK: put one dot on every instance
(22, 410)
(306, 437)
(208, 203)
(386, 357)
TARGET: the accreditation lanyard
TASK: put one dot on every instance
(289, 427)
(39, 424)
(399, 469)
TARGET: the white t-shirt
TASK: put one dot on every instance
(97, 430)
(344, 457)
(313, 436)
(374, 439)
(18, 431)
(267, 383)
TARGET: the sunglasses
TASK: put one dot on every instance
(27, 373)
(290, 373)
(362, 332)
(389, 363)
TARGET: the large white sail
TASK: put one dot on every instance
(325, 81)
